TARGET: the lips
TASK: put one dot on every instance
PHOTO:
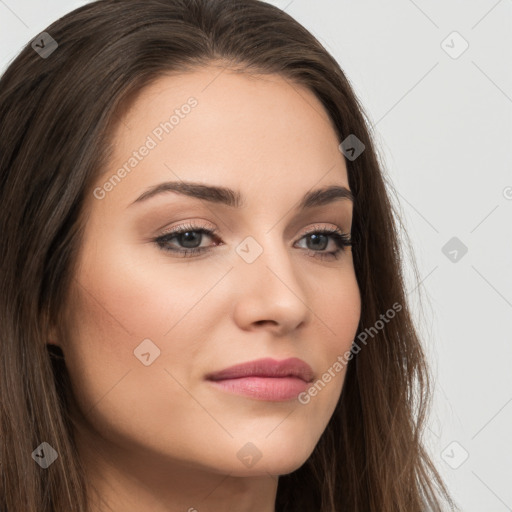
(267, 367)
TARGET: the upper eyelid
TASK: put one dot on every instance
(213, 232)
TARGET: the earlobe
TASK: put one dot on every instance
(52, 341)
(53, 337)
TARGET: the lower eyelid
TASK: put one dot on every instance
(340, 247)
(212, 234)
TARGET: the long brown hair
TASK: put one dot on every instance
(57, 115)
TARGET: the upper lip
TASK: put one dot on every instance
(267, 367)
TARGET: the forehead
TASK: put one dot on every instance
(220, 126)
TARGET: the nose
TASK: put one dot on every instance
(270, 290)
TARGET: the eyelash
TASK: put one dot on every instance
(341, 239)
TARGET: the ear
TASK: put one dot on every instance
(53, 336)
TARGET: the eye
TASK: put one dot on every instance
(319, 238)
(190, 236)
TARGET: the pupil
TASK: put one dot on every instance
(317, 238)
(189, 238)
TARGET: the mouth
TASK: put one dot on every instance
(265, 379)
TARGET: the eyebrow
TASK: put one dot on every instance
(234, 199)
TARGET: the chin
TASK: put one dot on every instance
(275, 463)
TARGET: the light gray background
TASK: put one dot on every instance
(443, 126)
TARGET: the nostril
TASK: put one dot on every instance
(259, 322)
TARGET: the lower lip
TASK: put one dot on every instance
(276, 389)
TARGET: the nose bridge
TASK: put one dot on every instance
(267, 261)
(269, 288)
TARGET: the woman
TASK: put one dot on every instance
(203, 305)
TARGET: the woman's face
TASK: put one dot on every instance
(145, 325)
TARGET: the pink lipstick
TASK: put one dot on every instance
(265, 379)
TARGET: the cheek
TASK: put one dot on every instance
(337, 310)
(140, 293)
(336, 305)
(115, 391)
(117, 305)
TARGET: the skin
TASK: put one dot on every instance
(160, 437)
